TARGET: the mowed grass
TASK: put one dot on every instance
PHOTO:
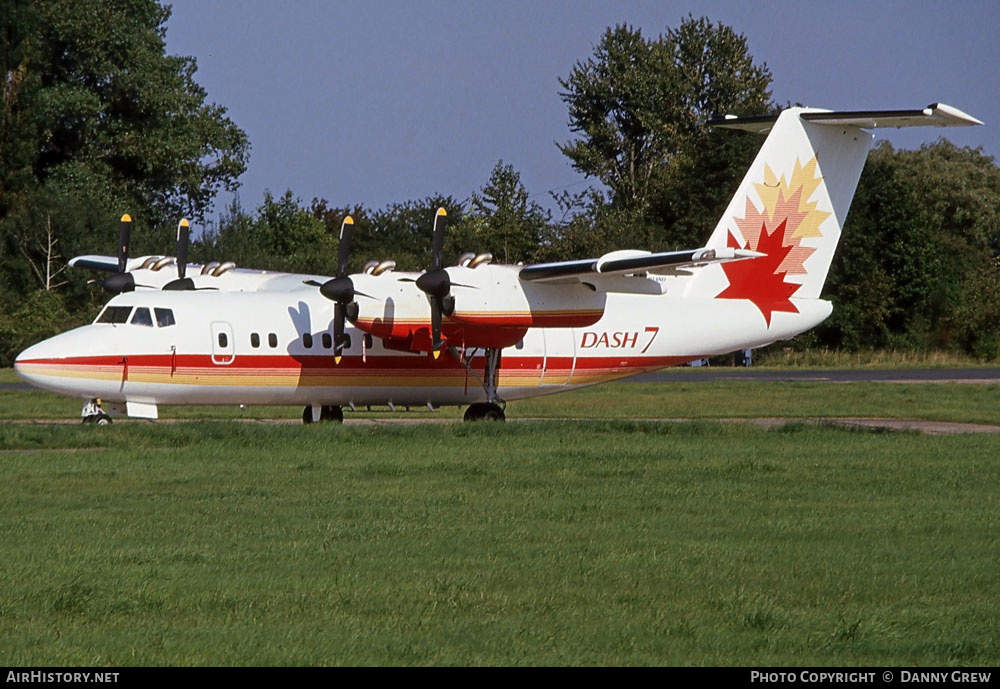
(959, 402)
(613, 542)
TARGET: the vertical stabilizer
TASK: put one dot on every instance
(791, 205)
(794, 200)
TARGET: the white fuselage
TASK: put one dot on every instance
(276, 348)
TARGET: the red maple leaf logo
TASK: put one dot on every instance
(758, 279)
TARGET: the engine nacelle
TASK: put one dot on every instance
(492, 307)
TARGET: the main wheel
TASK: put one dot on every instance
(484, 411)
(328, 412)
(101, 419)
(331, 412)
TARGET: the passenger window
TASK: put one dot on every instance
(327, 341)
(519, 345)
(347, 341)
(142, 317)
(223, 340)
(164, 317)
(114, 314)
(307, 340)
(272, 340)
(368, 340)
(254, 340)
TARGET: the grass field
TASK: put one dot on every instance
(559, 542)
(624, 400)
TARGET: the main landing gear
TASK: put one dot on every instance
(484, 411)
(328, 412)
(92, 413)
(488, 410)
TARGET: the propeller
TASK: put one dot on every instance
(340, 290)
(183, 236)
(436, 284)
(119, 282)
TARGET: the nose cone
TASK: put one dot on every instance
(58, 364)
(32, 363)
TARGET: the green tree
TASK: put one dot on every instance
(98, 120)
(501, 219)
(403, 231)
(639, 107)
(281, 235)
(917, 262)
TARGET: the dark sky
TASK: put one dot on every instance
(378, 102)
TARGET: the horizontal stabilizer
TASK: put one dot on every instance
(934, 115)
(629, 261)
(108, 264)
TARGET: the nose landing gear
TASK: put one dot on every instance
(92, 413)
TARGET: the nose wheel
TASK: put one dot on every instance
(92, 413)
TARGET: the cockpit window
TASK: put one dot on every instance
(114, 314)
(164, 317)
(142, 317)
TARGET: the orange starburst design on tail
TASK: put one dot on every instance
(787, 209)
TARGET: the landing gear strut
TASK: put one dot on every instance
(488, 410)
(92, 413)
(327, 412)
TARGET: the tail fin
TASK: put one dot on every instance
(794, 199)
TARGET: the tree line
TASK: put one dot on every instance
(96, 118)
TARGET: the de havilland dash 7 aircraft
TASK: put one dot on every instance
(475, 334)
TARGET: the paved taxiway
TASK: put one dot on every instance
(901, 375)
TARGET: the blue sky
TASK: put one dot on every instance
(379, 102)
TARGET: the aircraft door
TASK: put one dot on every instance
(223, 348)
(560, 356)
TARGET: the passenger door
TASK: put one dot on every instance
(223, 348)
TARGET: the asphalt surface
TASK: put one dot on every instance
(908, 375)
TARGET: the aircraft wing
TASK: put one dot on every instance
(935, 115)
(619, 263)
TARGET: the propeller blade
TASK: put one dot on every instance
(437, 241)
(183, 236)
(436, 342)
(338, 332)
(344, 248)
(124, 235)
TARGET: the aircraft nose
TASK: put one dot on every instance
(28, 362)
